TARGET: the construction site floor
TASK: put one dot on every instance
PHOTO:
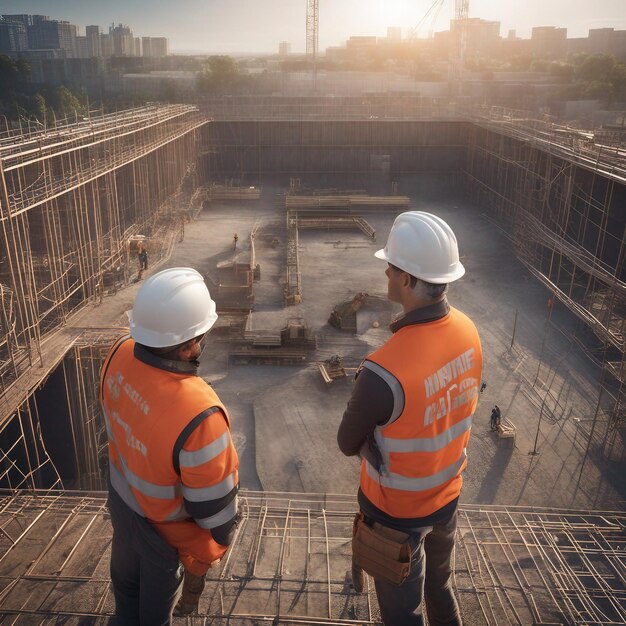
(285, 418)
(289, 416)
(290, 564)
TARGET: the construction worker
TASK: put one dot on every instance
(496, 417)
(235, 240)
(173, 467)
(142, 257)
(409, 419)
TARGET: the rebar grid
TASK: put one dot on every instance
(290, 563)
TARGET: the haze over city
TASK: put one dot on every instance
(240, 26)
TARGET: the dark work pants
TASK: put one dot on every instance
(430, 578)
(145, 570)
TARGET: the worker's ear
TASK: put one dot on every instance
(406, 280)
(186, 351)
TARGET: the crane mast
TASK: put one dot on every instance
(461, 14)
(312, 34)
(312, 28)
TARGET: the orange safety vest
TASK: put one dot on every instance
(145, 410)
(439, 366)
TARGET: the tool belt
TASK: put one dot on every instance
(382, 552)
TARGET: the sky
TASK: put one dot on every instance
(255, 26)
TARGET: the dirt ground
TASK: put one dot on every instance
(285, 419)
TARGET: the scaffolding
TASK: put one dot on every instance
(72, 198)
(559, 198)
(290, 563)
(52, 435)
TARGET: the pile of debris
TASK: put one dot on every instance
(332, 368)
(343, 316)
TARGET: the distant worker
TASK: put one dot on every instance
(409, 418)
(496, 417)
(235, 240)
(142, 257)
(173, 467)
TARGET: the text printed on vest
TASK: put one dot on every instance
(116, 382)
(441, 381)
(131, 440)
(449, 372)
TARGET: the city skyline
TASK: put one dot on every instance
(248, 26)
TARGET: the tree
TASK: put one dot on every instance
(65, 103)
(595, 68)
(618, 80)
(220, 73)
(13, 78)
(39, 108)
(168, 90)
(564, 71)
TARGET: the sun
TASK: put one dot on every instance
(385, 13)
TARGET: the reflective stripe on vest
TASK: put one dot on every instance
(206, 454)
(211, 493)
(426, 444)
(397, 481)
(220, 518)
(122, 488)
(130, 479)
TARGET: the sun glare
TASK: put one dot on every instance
(392, 13)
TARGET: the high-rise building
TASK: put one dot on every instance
(360, 47)
(618, 45)
(549, 42)
(284, 49)
(23, 32)
(82, 49)
(480, 35)
(67, 38)
(146, 46)
(155, 47)
(13, 36)
(600, 40)
(160, 46)
(94, 49)
(123, 40)
(21, 18)
(106, 45)
(43, 33)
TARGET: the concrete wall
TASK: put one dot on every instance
(425, 157)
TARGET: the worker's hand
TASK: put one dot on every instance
(215, 564)
(371, 453)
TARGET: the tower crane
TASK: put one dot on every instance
(459, 34)
(432, 14)
(461, 14)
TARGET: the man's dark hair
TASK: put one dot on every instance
(433, 290)
(169, 352)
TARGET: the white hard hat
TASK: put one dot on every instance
(424, 246)
(171, 307)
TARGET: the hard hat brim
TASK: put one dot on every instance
(380, 254)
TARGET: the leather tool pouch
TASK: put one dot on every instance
(382, 552)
